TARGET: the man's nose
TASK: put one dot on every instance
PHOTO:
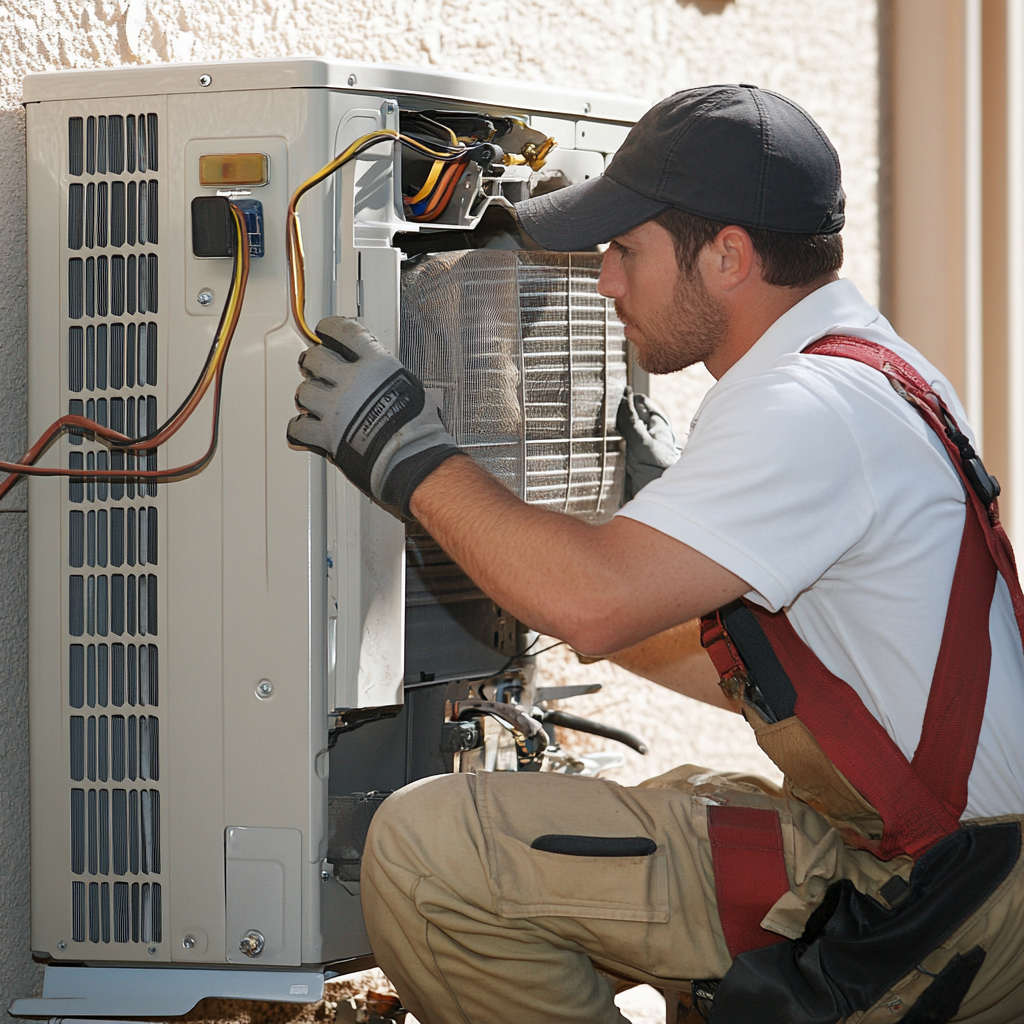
(611, 284)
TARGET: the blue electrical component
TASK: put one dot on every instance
(252, 210)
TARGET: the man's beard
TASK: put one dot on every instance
(688, 332)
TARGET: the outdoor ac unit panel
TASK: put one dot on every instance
(193, 644)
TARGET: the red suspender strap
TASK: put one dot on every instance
(750, 873)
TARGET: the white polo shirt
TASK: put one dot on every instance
(810, 479)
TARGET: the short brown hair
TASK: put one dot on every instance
(787, 260)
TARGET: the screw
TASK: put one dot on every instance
(264, 689)
(205, 297)
(252, 943)
(205, 80)
(390, 108)
(152, 950)
(325, 875)
(351, 79)
(189, 942)
(586, 108)
(62, 944)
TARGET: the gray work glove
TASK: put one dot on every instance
(650, 443)
(363, 410)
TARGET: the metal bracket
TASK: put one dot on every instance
(73, 992)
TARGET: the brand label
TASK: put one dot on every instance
(383, 408)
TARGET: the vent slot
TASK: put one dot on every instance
(102, 673)
(76, 675)
(76, 365)
(131, 346)
(119, 822)
(116, 462)
(104, 815)
(76, 490)
(77, 729)
(90, 214)
(135, 911)
(94, 912)
(153, 697)
(146, 797)
(90, 543)
(117, 285)
(78, 911)
(130, 537)
(133, 827)
(90, 675)
(76, 539)
(90, 356)
(130, 141)
(93, 844)
(133, 689)
(90, 145)
(131, 610)
(90, 746)
(117, 214)
(76, 604)
(117, 604)
(102, 213)
(146, 914)
(121, 918)
(101, 145)
(102, 607)
(76, 285)
(151, 129)
(133, 725)
(105, 909)
(78, 831)
(117, 747)
(101, 532)
(132, 210)
(102, 285)
(116, 365)
(149, 742)
(76, 216)
(115, 136)
(153, 214)
(117, 685)
(117, 536)
(103, 744)
(75, 146)
(90, 606)
(132, 288)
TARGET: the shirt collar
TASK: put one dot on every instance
(834, 308)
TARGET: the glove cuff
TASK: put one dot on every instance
(402, 480)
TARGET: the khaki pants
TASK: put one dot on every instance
(473, 925)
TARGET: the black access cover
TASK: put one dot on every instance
(211, 227)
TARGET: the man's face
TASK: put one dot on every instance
(671, 319)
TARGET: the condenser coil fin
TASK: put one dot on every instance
(528, 363)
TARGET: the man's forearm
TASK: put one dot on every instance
(601, 588)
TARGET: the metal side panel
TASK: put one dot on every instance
(263, 872)
(74, 992)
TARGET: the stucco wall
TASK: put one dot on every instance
(823, 53)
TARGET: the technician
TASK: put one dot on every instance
(830, 520)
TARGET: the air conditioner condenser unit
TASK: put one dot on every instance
(229, 670)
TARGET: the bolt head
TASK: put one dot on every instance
(189, 942)
(325, 875)
(205, 80)
(152, 950)
(205, 297)
(62, 944)
(351, 79)
(264, 689)
(391, 108)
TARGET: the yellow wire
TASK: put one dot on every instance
(432, 177)
(296, 257)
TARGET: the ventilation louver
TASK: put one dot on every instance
(113, 590)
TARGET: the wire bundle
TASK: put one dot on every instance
(211, 374)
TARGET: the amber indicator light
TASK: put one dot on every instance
(216, 169)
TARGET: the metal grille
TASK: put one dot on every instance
(113, 594)
(528, 363)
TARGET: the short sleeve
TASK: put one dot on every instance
(770, 486)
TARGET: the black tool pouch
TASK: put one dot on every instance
(854, 949)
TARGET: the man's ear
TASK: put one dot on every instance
(733, 259)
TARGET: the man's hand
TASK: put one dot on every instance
(366, 413)
(650, 443)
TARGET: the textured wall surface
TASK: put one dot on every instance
(823, 53)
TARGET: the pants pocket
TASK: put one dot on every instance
(571, 848)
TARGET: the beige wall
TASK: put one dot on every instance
(823, 53)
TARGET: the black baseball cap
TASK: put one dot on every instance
(732, 153)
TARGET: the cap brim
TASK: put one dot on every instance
(581, 216)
